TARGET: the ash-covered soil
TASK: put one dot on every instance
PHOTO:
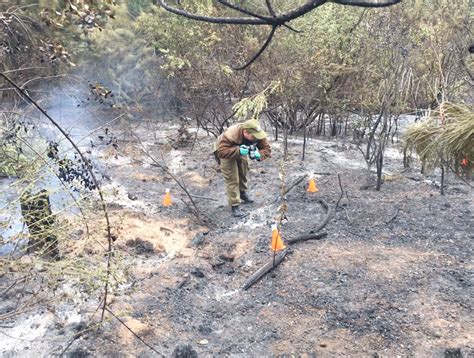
(393, 276)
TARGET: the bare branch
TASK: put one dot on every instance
(254, 20)
(135, 334)
(257, 55)
(212, 19)
(270, 9)
(244, 11)
(368, 3)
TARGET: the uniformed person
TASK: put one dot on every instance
(233, 149)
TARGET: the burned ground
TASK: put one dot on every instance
(392, 277)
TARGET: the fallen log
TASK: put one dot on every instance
(270, 265)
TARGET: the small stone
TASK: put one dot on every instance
(184, 351)
(197, 272)
(453, 353)
(203, 342)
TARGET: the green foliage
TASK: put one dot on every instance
(136, 7)
(12, 161)
(252, 107)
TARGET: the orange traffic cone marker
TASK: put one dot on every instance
(167, 198)
(312, 186)
(277, 242)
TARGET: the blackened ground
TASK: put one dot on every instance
(392, 277)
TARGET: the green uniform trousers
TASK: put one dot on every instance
(235, 173)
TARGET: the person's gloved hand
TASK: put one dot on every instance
(244, 150)
(257, 154)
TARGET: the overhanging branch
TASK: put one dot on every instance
(213, 19)
(374, 3)
(274, 20)
(265, 45)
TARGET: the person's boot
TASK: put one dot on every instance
(245, 197)
(237, 212)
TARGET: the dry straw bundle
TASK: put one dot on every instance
(444, 135)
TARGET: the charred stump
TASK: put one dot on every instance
(36, 211)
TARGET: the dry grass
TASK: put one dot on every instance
(445, 135)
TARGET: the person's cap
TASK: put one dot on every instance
(253, 127)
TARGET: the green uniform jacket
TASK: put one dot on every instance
(227, 144)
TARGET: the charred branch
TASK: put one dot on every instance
(274, 20)
(375, 3)
(295, 183)
(257, 55)
(271, 264)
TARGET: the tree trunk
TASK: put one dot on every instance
(441, 189)
(36, 211)
(379, 168)
(304, 143)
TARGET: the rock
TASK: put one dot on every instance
(197, 239)
(197, 272)
(227, 258)
(453, 353)
(205, 329)
(228, 270)
(79, 353)
(132, 196)
(141, 246)
(184, 351)
(203, 342)
(217, 263)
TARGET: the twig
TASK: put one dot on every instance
(203, 197)
(393, 216)
(13, 285)
(167, 171)
(342, 190)
(348, 217)
(75, 338)
(136, 335)
(271, 264)
(295, 183)
(459, 177)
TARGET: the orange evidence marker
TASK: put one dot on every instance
(167, 198)
(277, 242)
(464, 162)
(312, 186)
